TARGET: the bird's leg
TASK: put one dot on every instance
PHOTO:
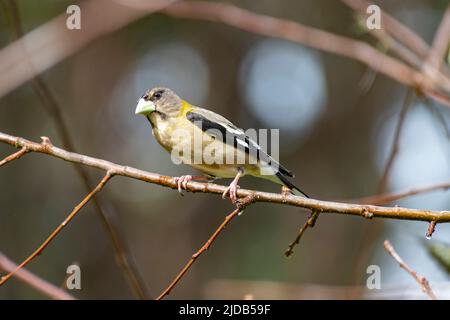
(233, 187)
(183, 181)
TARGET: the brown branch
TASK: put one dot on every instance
(308, 224)
(241, 206)
(267, 197)
(410, 47)
(440, 42)
(14, 156)
(422, 281)
(60, 227)
(34, 281)
(409, 99)
(390, 197)
(51, 106)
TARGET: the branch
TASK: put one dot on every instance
(243, 203)
(366, 211)
(422, 281)
(60, 227)
(34, 281)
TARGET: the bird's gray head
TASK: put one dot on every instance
(160, 100)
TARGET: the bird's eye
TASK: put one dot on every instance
(157, 95)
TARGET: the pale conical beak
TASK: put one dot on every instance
(145, 107)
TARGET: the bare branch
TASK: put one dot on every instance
(292, 200)
(309, 223)
(60, 227)
(14, 156)
(34, 281)
(422, 281)
(243, 203)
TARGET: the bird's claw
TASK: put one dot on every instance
(232, 191)
(182, 182)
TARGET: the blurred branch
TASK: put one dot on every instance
(227, 289)
(390, 197)
(440, 42)
(38, 251)
(52, 42)
(395, 28)
(409, 99)
(50, 104)
(243, 203)
(422, 281)
(34, 281)
(366, 211)
(246, 198)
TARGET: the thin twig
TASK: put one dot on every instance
(14, 156)
(51, 106)
(431, 228)
(421, 280)
(386, 198)
(361, 210)
(69, 218)
(308, 224)
(409, 99)
(241, 206)
(34, 281)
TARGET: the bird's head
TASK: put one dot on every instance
(160, 100)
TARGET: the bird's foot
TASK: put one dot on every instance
(182, 182)
(232, 191)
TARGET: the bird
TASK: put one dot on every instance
(208, 142)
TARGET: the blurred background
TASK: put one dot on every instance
(337, 120)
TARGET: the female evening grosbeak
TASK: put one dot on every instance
(208, 142)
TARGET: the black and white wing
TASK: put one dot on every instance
(211, 123)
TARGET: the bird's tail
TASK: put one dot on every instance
(290, 185)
